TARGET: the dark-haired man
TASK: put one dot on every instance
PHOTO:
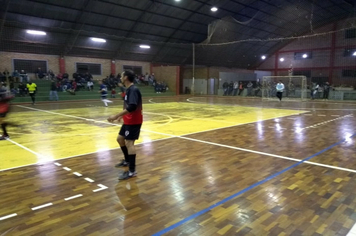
(4, 109)
(130, 130)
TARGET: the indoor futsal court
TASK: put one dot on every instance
(249, 116)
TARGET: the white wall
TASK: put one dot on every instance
(200, 85)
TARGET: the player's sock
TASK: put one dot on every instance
(126, 153)
(105, 103)
(3, 127)
(132, 162)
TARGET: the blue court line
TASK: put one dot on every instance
(166, 230)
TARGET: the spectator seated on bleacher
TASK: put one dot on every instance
(16, 75)
(23, 76)
(50, 74)
(40, 74)
(59, 77)
(22, 89)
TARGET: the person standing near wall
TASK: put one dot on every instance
(53, 91)
(326, 91)
(280, 88)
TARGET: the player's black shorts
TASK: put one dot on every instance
(3, 115)
(130, 132)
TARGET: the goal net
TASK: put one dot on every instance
(295, 87)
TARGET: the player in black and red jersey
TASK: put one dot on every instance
(4, 109)
(130, 130)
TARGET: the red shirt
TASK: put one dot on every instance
(133, 97)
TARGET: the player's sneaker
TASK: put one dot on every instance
(123, 163)
(127, 175)
(4, 137)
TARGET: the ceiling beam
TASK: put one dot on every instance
(77, 27)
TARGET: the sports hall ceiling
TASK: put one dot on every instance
(168, 26)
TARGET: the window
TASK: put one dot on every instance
(94, 69)
(303, 55)
(306, 73)
(350, 33)
(349, 52)
(29, 66)
(136, 69)
(348, 73)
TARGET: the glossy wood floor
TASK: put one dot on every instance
(205, 167)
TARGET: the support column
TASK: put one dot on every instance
(113, 67)
(332, 53)
(62, 65)
(276, 63)
(177, 80)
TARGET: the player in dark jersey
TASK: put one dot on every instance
(130, 130)
(4, 109)
(104, 93)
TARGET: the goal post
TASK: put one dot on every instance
(295, 87)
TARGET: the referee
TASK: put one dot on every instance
(32, 89)
(130, 130)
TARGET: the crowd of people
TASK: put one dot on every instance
(236, 88)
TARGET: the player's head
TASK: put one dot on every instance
(128, 76)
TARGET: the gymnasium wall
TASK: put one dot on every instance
(167, 74)
(327, 60)
(70, 63)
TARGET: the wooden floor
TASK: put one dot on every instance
(206, 166)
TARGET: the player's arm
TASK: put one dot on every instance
(133, 103)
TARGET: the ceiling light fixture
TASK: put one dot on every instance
(214, 9)
(263, 57)
(35, 32)
(354, 54)
(305, 55)
(99, 40)
(145, 46)
(282, 59)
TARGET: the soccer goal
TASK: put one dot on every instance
(295, 87)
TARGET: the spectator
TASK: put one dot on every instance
(90, 85)
(50, 74)
(249, 88)
(23, 76)
(226, 88)
(326, 91)
(241, 88)
(236, 86)
(22, 89)
(231, 88)
(39, 73)
(113, 93)
(53, 91)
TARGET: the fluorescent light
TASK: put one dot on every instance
(263, 57)
(177, 0)
(99, 40)
(354, 54)
(214, 9)
(305, 55)
(282, 59)
(145, 46)
(35, 32)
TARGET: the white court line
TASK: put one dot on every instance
(8, 216)
(102, 187)
(352, 232)
(73, 197)
(42, 206)
(27, 149)
(67, 169)
(89, 180)
(196, 140)
(150, 101)
(321, 115)
(77, 174)
(268, 154)
(57, 164)
(327, 121)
